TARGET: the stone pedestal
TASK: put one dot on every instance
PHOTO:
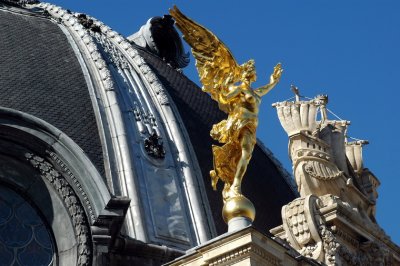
(244, 247)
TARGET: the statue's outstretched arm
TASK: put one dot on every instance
(261, 91)
(274, 79)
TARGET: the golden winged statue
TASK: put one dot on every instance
(229, 84)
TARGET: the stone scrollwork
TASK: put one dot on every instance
(72, 204)
(314, 166)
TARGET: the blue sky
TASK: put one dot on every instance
(349, 50)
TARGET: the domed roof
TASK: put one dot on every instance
(142, 123)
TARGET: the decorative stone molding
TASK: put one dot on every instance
(78, 186)
(72, 204)
(242, 252)
(244, 247)
(230, 256)
(127, 90)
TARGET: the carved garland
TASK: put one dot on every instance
(72, 205)
(370, 253)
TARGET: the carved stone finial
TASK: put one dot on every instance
(296, 117)
(354, 154)
(334, 187)
(322, 101)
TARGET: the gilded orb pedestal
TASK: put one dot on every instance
(238, 212)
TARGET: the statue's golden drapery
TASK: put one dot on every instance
(229, 84)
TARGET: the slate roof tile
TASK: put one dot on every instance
(40, 75)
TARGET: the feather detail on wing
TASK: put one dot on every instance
(216, 66)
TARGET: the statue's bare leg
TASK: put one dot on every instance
(247, 145)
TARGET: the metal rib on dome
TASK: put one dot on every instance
(167, 204)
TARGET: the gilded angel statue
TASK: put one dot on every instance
(229, 84)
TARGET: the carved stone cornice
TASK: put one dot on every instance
(246, 251)
(244, 247)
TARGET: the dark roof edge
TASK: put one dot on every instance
(285, 174)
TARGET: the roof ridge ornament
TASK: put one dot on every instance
(160, 37)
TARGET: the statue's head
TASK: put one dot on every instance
(249, 71)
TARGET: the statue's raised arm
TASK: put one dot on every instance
(229, 84)
(273, 80)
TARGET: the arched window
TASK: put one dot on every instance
(24, 237)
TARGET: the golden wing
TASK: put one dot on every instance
(216, 66)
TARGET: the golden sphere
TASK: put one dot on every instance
(238, 206)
